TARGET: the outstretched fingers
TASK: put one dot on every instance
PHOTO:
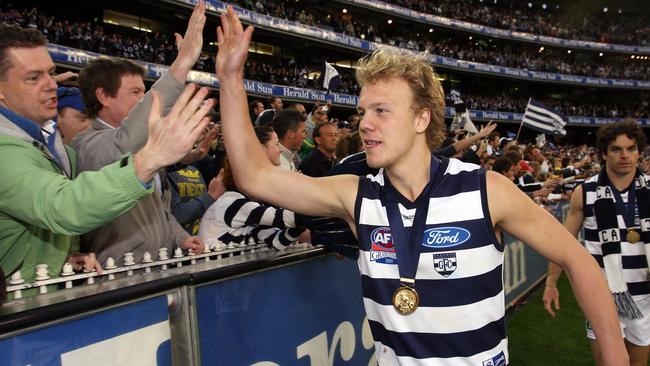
(196, 116)
(181, 102)
(156, 110)
(237, 28)
(225, 25)
(197, 101)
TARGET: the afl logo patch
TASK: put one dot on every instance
(381, 246)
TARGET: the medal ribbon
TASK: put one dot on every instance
(407, 243)
(629, 210)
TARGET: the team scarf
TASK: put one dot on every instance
(609, 232)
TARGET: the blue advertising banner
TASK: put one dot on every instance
(133, 334)
(517, 117)
(496, 32)
(78, 57)
(523, 267)
(308, 313)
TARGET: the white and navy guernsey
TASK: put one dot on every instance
(461, 316)
(635, 264)
(235, 219)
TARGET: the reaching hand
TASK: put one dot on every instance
(66, 78)
(487, 129)
(172, 137)
(233, 45)
(203, 147)
(85, 262)
(551, 296)
(193, 244)
(189, 47)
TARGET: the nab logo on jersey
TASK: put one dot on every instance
(444, 263)
(445, 237)
(381, 246)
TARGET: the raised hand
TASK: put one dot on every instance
(487, 129)
(66, 78)
(201, 151)
(233, 45)
(172, 137)
(189, 46)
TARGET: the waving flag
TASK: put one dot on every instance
(543, 119)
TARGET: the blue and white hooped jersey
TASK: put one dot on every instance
(633, 258)
(461, 316)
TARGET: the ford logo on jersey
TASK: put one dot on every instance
(381, 246)
(445, 237)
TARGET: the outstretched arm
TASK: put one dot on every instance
(471, 140)
(97, 150)
(528, 222)
(573, 224)
(189, 47)
(254, 173)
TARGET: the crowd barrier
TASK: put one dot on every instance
(239, 306)
(72, 56)
(496, 32)
(296, 29)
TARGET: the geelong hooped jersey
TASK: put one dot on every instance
(461, 316)
(635, 264)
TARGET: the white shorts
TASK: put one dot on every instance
(635, 331)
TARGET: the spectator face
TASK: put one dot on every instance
(344, 132)
(297, 135)
(512, 172)
(389, 125)
(354, 120)
(488, 163)
(273, 149)
(71, 122)
(277, 104)
(259, 107)
(320, 116)
(28, 88)
(300, 108)
(328, 138)
(622, 156)
(128, 95)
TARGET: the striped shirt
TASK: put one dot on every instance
(235, 219)
(635, 264)
(461, 316)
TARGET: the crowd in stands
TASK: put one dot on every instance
(154, 47)
(159, 48)
(375, 30)
(507, 102)
(614, 26)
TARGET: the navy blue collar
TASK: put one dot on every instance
(27, 125)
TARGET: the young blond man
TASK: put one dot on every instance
(418, 221)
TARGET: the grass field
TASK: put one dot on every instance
(537, 339)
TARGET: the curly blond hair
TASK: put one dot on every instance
(388, 63)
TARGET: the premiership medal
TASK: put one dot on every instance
(632, 236)
(405, 300)
(407, 243)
